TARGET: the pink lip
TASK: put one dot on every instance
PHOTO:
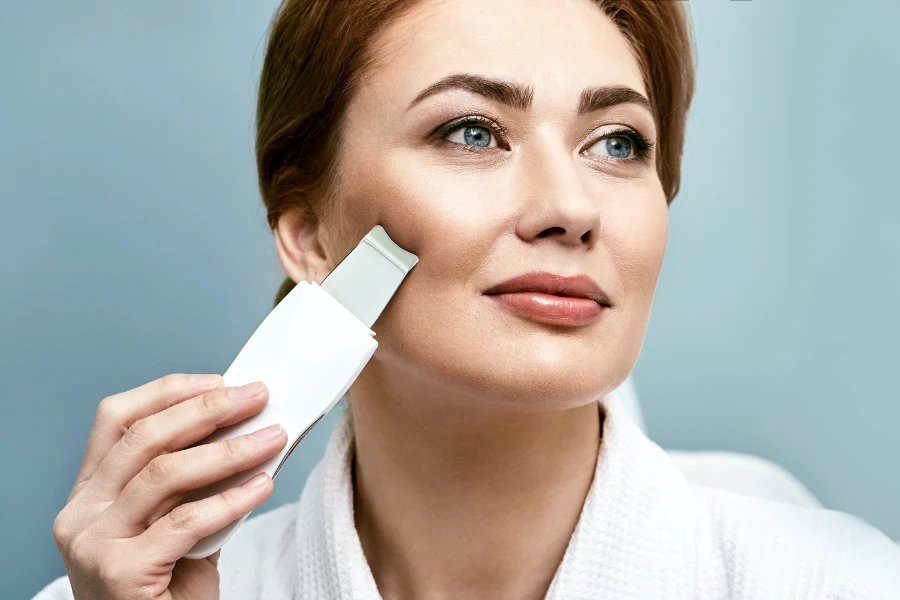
(551, 298)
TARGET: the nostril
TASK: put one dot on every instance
(551, 230)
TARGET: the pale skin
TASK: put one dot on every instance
(121, 533)
(476, 429)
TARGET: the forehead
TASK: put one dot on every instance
(558, 47)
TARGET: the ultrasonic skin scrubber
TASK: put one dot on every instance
(308, 352)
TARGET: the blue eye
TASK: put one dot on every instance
(617, 146)
(472, 135)
(623, 145)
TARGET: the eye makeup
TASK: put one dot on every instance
(641, 145)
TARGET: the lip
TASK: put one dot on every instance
(552, 298)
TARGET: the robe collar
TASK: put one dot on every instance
(634, 537)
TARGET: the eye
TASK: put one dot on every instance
(472, 135)
(617, 146)
(622, 145)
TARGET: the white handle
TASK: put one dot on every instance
(308, 352)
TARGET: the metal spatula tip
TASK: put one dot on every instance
(365, 281)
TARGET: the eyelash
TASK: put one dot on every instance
(641, 145)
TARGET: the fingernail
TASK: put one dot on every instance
(255, 481)
(204, 379)
(267, 433)
(246, 392)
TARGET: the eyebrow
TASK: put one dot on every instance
(520, 97)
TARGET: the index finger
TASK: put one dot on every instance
(116, 413)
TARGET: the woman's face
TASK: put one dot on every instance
(536, 185)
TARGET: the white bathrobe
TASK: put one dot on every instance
(644, 532)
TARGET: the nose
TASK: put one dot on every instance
(556, 202)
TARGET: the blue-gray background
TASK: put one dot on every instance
(133, 242)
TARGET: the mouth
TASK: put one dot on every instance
(551, 298)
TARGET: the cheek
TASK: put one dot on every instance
(637, 241)
(442, 217)
(449, 218)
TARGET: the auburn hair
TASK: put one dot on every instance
(318, 50)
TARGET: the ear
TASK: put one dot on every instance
(299, 243)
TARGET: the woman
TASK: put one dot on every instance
(483, 454)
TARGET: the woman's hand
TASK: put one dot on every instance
(122, 533)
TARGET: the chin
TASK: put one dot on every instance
(550, 380)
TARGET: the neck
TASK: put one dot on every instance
(455, 500)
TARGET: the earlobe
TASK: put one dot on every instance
(298, 242)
